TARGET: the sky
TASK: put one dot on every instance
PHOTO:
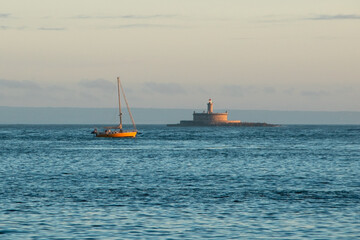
(244, 54)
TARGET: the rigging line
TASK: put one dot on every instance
(127, 105)
(120, 114)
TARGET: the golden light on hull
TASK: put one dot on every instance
(117, 134)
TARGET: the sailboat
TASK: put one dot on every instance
(118, 131)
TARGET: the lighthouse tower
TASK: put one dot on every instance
(210, 106)
(209, 117)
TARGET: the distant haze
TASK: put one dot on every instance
(300, 55)
(109, 116)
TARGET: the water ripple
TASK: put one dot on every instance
(290, 182)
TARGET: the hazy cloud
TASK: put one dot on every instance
(19, 84)
(314, 93)
(234, 90)
(148, 16)
(97, 83)
(334, 17)
(4, 27)
(239, 90)
(51, 29)
(5, 15)
(277, 19)
(126, 16)
(57, 88)
(314, 17)
(163, 88)
(269, 90)
(144, 26)
(289, 91)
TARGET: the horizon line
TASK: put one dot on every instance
(168, 108)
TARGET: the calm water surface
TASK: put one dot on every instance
(288, 182)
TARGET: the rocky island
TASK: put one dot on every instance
(210, 118)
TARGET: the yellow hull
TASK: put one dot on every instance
(117, 134)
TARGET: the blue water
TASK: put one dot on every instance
(288, 182)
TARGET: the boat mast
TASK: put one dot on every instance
(127, 105)
(120, 114)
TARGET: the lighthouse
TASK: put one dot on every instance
(209, 117)
(210, 106)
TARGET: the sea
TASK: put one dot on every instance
(285, 182)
